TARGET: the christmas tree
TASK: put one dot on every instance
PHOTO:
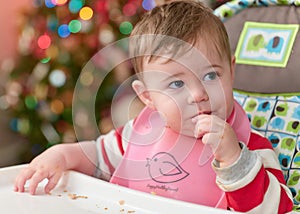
(57, 38)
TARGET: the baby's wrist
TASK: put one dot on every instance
(238, 170)
(231, 160)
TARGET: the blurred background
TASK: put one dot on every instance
(44, 44)
(11, 143)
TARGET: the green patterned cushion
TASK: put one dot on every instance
(277, 117)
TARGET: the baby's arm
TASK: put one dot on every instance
(255, 183)
(92, 158)
(252, 178)
(53, 162)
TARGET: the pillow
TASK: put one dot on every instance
(269, 95)
(255, 78)
(277, 117)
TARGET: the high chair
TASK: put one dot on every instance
(264, 38)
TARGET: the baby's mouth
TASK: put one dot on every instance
(201, 113)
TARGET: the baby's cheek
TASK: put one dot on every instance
(174, 120)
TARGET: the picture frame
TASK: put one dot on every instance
(266, 44)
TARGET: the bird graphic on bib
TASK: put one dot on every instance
(164, 168)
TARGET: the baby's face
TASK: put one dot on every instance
(183, 88)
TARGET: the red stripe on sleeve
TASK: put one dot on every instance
(118, 135)
(285, 204)
(257, 142)
(105, 158)
(251, 195)
(278, 174)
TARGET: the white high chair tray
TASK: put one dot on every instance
(90, 195)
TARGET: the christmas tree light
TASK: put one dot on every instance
(57, 39)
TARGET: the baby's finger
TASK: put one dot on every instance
(52, 182)
(199, 131)
(212, 139)
(35, 180)
(21, 179)
(202, 126)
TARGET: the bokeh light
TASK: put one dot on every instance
(31, 102)
(14, 89)
(14, 124)
(81, 119)
(44, 41)
(63, 31)
(106, 36)
(39, 72)
(52, 22)
(86, 78)
(41, 91)
(129, 9)
(49, 3)
(64, 57)
(86, 13)
(50, 133)
(59, 2)
(75, 5)
(45, 60)
(52, 51)
(23, 126)
(55, 38)
(3, 103)
(74, 26)
(148, 4)
(101, 6)
(86, 26)
(20, 125)
(57, 78)
(38, 3)
(115, 14)
(57, 106)
(126, 27)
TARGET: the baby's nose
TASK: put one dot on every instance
(197, 95)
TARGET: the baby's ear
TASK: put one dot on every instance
(142, 92)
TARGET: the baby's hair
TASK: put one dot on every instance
(185, 20)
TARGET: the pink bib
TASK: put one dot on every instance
(163, 162)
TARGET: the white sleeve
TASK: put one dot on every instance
(110, 148)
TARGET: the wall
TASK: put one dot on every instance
(9, 18)
(10, 142)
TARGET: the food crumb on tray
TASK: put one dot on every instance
(75, 196)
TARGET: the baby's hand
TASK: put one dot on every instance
(49, 164)
(220, 136)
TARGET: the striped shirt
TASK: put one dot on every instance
(253, 184)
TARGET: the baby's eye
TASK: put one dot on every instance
(176, 84)
(210, 76)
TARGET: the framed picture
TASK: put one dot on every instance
(266, 44)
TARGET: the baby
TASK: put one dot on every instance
(192, 141)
